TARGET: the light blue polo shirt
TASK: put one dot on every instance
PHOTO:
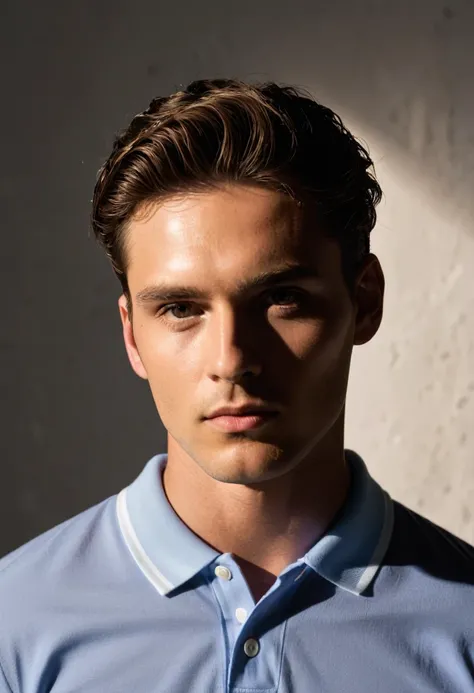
(124, 598)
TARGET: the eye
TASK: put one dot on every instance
(285, 297)
(176, 311)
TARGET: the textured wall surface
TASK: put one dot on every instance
(76, 424)
(411, 396)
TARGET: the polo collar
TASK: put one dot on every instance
(169, 553)
(350, 553)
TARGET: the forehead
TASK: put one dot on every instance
(219, 236)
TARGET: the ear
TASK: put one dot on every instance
(129, 339)
(368, 298)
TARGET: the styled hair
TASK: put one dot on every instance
(227, 131)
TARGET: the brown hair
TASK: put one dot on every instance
(217, 131)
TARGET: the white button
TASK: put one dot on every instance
(223, 572)
(251, 647)
(241, 615)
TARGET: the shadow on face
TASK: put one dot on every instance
(236, 296)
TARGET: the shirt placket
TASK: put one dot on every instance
(253, 651)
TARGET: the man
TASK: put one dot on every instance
(256, 554)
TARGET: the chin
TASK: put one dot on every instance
(245, 462)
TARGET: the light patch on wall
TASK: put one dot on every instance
(411, 394)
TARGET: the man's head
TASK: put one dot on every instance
(207, 197)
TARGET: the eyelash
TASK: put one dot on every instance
(164, 310)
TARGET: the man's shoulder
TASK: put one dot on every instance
(44, 561)
(421, 544)
(55, 585)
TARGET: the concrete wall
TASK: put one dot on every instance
(76, 424)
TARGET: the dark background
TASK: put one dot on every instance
(77, 425)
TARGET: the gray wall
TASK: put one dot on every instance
(76, 424)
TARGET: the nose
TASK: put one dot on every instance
(232, 348)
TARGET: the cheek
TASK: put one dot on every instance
(321, 342)
(164, 353)
(323, 358)
(305, 339)
(329, 368)
(171, 369)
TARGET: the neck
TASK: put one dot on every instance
(266, 526)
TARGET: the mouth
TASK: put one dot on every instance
(244, 422)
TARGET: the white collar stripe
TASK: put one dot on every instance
(380, 550)
(143, 561)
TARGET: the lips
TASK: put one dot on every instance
(242, 422)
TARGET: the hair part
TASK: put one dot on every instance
(227, 131)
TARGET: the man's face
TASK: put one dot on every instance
(227, 340)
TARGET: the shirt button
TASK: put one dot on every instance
(251, 647)
(223, 572)
(241, 615)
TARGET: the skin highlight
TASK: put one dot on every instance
(267, 494)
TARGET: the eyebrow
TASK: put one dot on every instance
(165, 292)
